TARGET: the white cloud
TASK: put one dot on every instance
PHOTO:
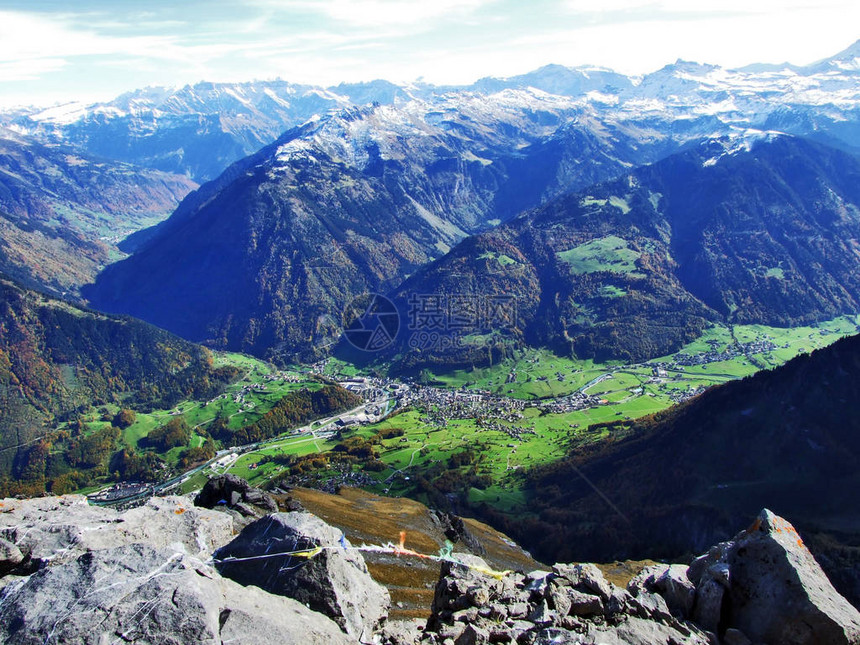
(382, 13)
(701, 7)
(30, 37)
(33, 45)
(30, 70)
(795, 33)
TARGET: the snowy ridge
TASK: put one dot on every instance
(738, 142)
(200, 129)
(402, 131)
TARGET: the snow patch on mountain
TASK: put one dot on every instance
(682, 102)
(62, 114)
(739, 142)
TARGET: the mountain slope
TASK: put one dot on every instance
(560, 80)
(56, 358)
(61, 211)
(761, 230)
(197, 130)
(788, 438)
(266, 258)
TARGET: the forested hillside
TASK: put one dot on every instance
(761, 230)
(63, 211)
(57, 360)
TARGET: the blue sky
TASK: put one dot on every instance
(95, 49)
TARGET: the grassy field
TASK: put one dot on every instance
(503, 451)
(501, 258)
(535, 376)
(627, 391)
(498, 454)
(248, 466)
(609, 253)
(244, 401)
(539, 374)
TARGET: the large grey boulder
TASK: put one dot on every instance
(335, 582)
(58, 529)
(586, 577)
(640, 631)
(710, 598)
(766, 584)
(671, 582)
(139, 594)
(10, 556)
(402, 632)
(456, 531)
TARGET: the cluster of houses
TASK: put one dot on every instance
(463, 404)
(680, 396)
(442, 405)
(514, 432)
(283, 377)
(239, 395)
(572, 402)
(336, 475)
(731, 352)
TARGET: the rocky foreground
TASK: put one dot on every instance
(175, 572)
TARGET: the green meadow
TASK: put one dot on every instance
(260, 386)
(540, 374)
(627, 392)
(500, 453)
(610, 253)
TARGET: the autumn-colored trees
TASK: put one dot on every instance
(171, 435)
(124, 418)
(292, 411)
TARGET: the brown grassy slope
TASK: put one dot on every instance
(370, 519)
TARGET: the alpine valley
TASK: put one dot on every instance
(63, 211)
(355, 200)
(612, 316)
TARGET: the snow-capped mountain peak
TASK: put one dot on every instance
(848, 60)
(199, 129)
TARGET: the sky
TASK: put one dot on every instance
(62, 50)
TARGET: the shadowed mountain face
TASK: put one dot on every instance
(763, 231)
(266, 258)
(61, 212)
(680, 480)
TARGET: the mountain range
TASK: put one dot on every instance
(200, 129)
(267, 257)
(760, 228)
(196, 130)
